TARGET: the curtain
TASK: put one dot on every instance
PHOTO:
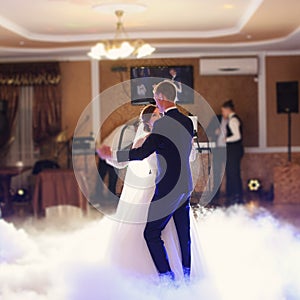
(23, 148)
(45, 79)
(46, 112)
(11, 95)
(28, 74)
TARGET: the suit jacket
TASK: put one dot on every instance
(171, 139)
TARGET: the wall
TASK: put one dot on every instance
(261, 166)
(76, 86)
(76, 81)
(215, 89)
(76, 92)
(284, 68)
(243, 91)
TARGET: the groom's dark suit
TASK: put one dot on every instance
(171, 139)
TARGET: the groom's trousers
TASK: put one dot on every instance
(152, 235)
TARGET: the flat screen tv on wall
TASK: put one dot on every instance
(142, 85)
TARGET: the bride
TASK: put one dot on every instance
(128, 250)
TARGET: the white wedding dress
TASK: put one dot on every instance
(127, 249)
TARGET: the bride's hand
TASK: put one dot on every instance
(105, 152)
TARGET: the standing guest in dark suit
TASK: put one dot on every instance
(171, 140)
(235, 152)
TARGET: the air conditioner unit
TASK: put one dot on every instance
(229, 66)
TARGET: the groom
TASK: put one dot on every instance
(171, 139)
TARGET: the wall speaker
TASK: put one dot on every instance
(287, 97)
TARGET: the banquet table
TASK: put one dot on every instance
(57, 187)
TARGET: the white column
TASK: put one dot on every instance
(95, 88)
(262, 103)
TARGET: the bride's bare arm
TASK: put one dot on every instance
(121, 165)
(140, 142)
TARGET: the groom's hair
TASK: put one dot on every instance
(168, 89)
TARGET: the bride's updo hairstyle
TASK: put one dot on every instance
(146, 114)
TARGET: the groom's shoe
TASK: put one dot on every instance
(186, 274)
(167, 280)
(168, 276)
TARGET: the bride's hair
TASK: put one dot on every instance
(146, 115)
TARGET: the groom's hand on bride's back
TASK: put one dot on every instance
(104, 152)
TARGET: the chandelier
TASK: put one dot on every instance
(120, 47)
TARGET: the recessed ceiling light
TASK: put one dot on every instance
(249, 36)
(22, 43)
(228, 6)
(126, 7)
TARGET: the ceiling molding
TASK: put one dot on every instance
(33, 36)
(232, 45)
(170, 49)
(82, 57)
(44, 50)
(252, 8)
(164, 50)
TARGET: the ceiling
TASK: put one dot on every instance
(46, 28)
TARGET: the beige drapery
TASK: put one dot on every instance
(11, 95)
(45, 78)
(46, 112)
